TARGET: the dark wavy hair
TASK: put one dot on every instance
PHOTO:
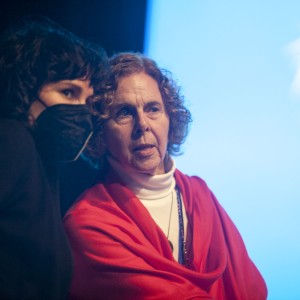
(35, 51)
(124, 64)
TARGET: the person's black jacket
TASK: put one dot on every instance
(35, 259)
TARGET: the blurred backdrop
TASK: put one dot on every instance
(238, 63)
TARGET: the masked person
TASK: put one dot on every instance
(145, 230)
(46, 75)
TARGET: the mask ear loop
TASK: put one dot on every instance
(84, 146)
(42, 102)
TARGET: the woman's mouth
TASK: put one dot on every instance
(144, 150)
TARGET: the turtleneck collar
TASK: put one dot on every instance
(144, 186)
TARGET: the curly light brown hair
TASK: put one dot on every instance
(125, 64)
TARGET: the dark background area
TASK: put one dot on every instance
(117, 25)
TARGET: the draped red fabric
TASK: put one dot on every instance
(120, 253)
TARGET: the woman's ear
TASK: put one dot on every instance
(36, 108)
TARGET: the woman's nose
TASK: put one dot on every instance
(141, 124)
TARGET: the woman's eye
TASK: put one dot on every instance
(68, 93)
(124, 112)
(153, 109)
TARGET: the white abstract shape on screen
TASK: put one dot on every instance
(293, 50)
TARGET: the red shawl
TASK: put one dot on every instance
(120, 253)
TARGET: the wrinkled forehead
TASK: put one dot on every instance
(137, 86)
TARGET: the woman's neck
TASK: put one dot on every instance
(145, 186)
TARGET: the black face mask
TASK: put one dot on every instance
(62, 132)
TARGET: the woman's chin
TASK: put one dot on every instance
(149, 169)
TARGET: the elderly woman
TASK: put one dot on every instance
(145, 230)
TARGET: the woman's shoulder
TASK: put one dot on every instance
(90, 201)
(190, 179)
(17, 145)
(15, 135)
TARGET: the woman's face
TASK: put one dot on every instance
(74, 91)
(136, 135)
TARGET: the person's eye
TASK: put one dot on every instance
(152, 109)
(69, 93)
(124, 112)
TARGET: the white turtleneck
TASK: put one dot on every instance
(157, 193)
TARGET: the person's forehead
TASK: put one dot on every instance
(137, 83)
(78, 82)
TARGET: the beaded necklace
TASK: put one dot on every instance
(182, 256)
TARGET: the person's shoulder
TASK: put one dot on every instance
(191, 178)
(15, 139)
(87, 201)
(93, 202)
(14, 131)
(20, 166)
